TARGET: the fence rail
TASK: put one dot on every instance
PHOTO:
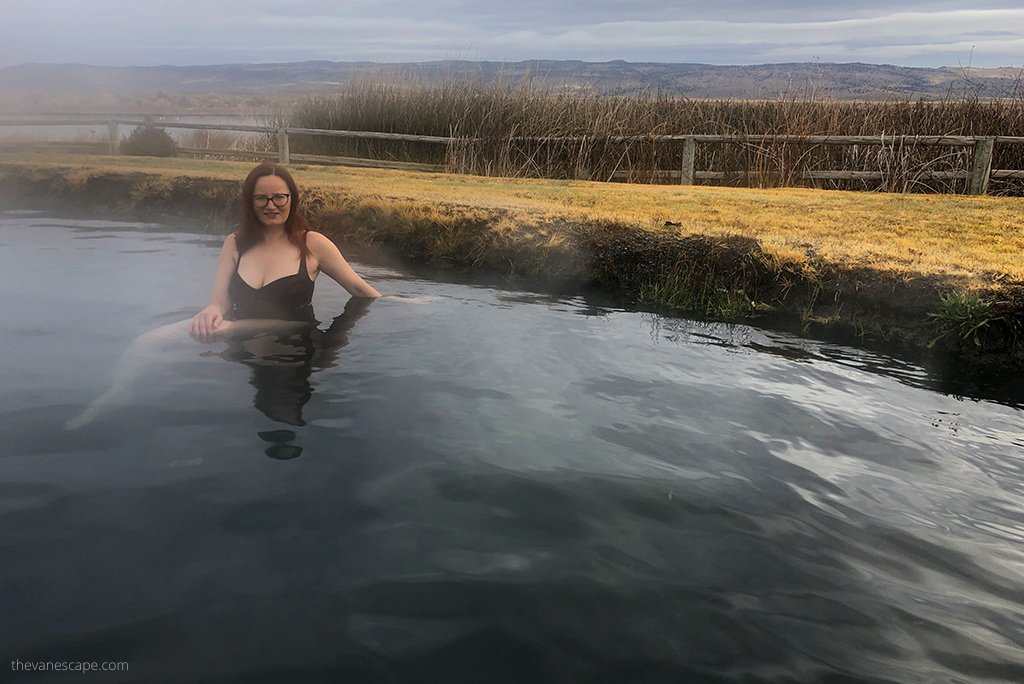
(977, 176)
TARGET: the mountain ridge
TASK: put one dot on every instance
(841, 81)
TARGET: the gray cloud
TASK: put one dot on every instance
(122, 32)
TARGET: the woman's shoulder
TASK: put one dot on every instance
(317, 242)
(231, 247)
(322, 248)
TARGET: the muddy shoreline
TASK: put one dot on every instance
(727, 278)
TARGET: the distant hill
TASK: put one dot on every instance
(26, 87)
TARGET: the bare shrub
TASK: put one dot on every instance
(149, 141)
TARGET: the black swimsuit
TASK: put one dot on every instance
(288, 298)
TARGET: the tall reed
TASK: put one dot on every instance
(536, 129)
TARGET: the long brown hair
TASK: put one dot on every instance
(251, 231)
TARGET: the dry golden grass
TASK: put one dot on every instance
(975, 241)
(979, 240)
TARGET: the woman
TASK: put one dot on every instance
(267, 267)
(264, 284)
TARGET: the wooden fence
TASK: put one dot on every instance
(977, 176)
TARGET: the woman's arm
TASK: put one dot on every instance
(211, 319)
(331, 262)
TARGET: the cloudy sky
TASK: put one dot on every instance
(984, 33)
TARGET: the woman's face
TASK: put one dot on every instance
(268, 189)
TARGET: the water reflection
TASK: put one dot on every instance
(953, 374)
(281, 368)
(552, 491)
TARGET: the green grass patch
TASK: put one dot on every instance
(965, 315)
(718, 302)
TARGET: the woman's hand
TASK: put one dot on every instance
(207, 323)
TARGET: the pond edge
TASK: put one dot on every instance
(724, 278)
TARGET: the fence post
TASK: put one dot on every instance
(981, 167)
(115, 138)
(689, 146)
(283, 156)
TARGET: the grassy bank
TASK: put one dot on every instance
(908, 269)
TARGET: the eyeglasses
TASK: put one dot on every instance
(279, 200)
